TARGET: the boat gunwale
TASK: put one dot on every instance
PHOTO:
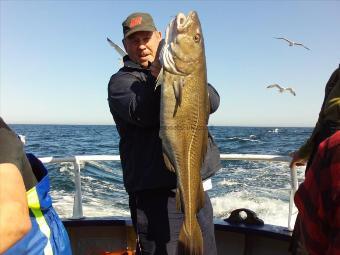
(266, 230)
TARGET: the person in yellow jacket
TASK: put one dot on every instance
(327, 124)
(28, 222)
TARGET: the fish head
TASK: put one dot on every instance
(183, 52)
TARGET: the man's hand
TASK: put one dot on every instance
(296, 160)
(155, 67)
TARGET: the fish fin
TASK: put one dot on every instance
(159, 79)
(177, 86)
(168, 163)
(190, 239)
(178, 201)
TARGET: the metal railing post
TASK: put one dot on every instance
(77, 204)
(294, 186)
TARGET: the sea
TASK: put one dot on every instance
(257, 185)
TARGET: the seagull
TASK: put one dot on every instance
(120, 51)
(291, 43)
(281, 89)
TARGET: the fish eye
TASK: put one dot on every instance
(197, 37)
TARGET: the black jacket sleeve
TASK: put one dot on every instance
(214, 98)
(134, 99)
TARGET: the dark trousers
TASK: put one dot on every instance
(158, 223)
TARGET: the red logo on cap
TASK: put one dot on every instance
(135, 21)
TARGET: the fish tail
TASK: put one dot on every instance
(190, 242)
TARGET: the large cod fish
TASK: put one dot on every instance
(184, 117)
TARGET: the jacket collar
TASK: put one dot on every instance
(130, 64)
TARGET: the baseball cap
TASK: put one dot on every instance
(138, 21)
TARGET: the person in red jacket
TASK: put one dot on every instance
(318, 201)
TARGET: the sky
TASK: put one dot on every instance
(55, 62)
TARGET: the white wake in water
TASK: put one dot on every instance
(92, 207)
(271, 211)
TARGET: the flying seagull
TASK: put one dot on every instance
(281, 89)
(291, 43)
(120, 51)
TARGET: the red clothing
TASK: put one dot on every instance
(318, 200)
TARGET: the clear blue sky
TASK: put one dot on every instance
(56, 63)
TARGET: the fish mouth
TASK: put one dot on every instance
(177, 25)
(183, 21)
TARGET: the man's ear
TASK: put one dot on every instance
(159, 34)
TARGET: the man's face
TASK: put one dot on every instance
(142, 46)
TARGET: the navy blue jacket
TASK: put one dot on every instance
(135, 104)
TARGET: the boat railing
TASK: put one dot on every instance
(78, 162)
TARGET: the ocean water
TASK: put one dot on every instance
(260, 186)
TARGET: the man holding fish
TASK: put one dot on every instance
(165, 148)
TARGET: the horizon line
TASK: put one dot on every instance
(210, 125)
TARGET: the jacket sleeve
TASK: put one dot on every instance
(332, 198)
(214, 98)
(134, 100)
(334, 220)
